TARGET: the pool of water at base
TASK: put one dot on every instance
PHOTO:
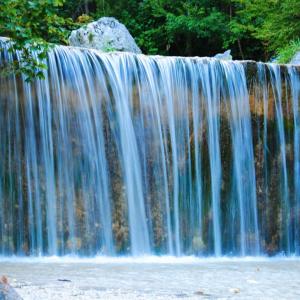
(153, 278)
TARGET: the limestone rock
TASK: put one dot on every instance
(106, 34)
(6, 291)
(296, 59)
(224, 56)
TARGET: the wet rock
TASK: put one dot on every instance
(181, 295)
(201, 293)
(64, 280)
(234, 290)
(107, 34)
(7, 292)
(224, 56)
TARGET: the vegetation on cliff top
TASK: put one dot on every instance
(253, 29)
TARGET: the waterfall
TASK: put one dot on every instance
(294, 82)
(116, 153)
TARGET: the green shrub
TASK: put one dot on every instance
(286, 53)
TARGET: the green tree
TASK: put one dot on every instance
(253, 29)
(276, 23)
(32, 26)
(173, 27)
(184, 27)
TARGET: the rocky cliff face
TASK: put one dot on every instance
(107, 34)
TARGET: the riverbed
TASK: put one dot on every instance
(153, 278)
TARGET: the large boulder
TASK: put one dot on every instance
(224, 56)
(106, 34)
(296, 59)
(7, 292)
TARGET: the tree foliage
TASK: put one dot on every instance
(33, 26)
(184, 27)
(276, 23)
(253, 29)
(173, 27)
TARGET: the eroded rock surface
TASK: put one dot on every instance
(106, 34)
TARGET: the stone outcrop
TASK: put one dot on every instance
(224, 56)
(7, 292)
(107, 34)
(296, 59)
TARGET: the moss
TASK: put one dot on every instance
(90, 37)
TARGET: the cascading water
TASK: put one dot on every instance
(294, 82)
(128, 154)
